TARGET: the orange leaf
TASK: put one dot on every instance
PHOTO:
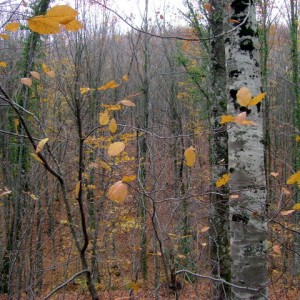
(51, 74)
(126, 102)
(27, 81)
(118, 191)
(243, 96)
(277, 249)
(35, 75)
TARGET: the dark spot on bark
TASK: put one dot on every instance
(234, 73)
(239, 5)
(258, 106)
(246, 109)
(231, 170)
(247, 45)
(240, 218)
(246, 30)
(227, 40)
(233, 97)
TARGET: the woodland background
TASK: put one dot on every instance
(147, 87)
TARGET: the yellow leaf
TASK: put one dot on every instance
(41, 145)
(190, 156)
(223, 180)
(45, 68)
(287, 212)
(13, 26)
(113, 125)
(36, 158)
(297, 138)
(125, 77)
(43, 25)
(63, 14)
(129, 178)
(3, 64)
(4, 36)
(295, 178)
(118, 191)
(27, 81)
(35, 75)
(74, 25)
(51, 74)
(296, 206)
(257, 99)
(104, 118)
(49, 23)
(126, 102)
(116, 148)
(84, 90)
(227, 119)
(77, 189)
(243, 96)
(109, 85)
(204, 229)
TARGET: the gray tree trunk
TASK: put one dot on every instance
(246, 158)
(219, 225)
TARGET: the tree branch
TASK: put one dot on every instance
(65, 283)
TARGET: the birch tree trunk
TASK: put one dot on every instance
(248, 243)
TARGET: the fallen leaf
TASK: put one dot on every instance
(35, 75)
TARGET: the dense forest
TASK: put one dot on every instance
(151, 157)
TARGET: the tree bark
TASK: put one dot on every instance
(246, 157)
(219, 225)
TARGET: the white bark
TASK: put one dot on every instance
(248, 244)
